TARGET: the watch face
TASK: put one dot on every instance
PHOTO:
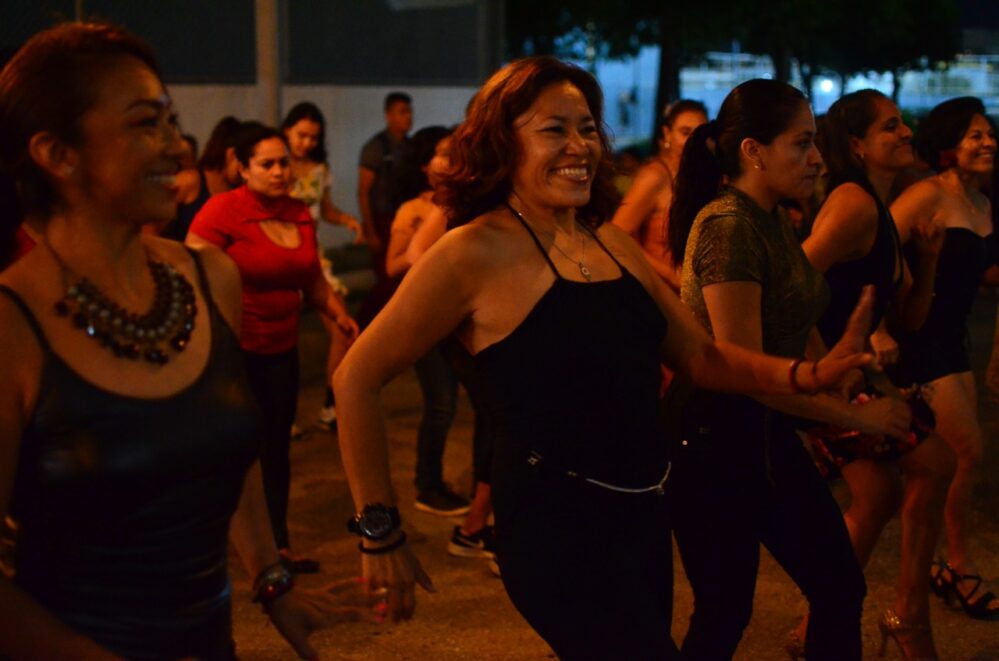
(375, 524)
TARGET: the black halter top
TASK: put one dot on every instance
(577, 381)
(123, 503)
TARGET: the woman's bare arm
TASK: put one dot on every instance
(727, 366)
(734, 308)
(915, 214)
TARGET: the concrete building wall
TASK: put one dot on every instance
(353, 114)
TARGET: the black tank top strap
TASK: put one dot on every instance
(29, 316)
(886, 224)
(537, 241)
(897, 243)
(206, 289)
(600, 243)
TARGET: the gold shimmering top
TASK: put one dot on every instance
(734, 240)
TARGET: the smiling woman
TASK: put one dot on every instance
(127, 429)
(560, 325)
(958, 141)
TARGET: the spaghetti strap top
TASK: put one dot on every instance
(544, 253)
(122, 504)
(577, 381)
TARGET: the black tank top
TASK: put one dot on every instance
(577, 381)
(123, 503)
(879, 267)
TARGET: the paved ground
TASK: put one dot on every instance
(470, 616)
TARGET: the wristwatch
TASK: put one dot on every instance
(375, 522)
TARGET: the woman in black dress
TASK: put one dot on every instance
(564, 324)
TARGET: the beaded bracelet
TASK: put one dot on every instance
(381, 550)
(273, 581)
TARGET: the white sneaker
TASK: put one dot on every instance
(327, 417)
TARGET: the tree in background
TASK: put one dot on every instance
(844, 37)
(585, 29)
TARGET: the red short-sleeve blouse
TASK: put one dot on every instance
(273, 276)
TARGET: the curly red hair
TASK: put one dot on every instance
(484, 150)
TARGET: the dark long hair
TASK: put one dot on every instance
(760, 109)
(48, 85)
(219, 142)
(483, 152)
(677, 108)
(943, 129)
(850, 117)
(416, 154)
(310, 111)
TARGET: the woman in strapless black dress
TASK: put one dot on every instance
(126, 438)
(959, 142)
(564, 325)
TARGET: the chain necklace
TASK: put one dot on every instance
(167, 325)
(584, 270)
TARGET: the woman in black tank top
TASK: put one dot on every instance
(562, 324)
(125, 438)
(958, 141)
(855, 243)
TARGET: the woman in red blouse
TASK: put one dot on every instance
(271, 237)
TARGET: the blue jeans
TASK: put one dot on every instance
(439, 386)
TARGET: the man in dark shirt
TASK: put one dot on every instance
(375, 182)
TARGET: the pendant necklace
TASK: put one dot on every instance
(166, 326)
(584, 270)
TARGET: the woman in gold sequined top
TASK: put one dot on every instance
(748, 282)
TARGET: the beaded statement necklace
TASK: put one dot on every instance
(166, 326)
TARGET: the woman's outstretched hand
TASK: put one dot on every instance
(300, 612)
(848, 353)
(395, 574)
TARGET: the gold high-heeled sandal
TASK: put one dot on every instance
(892, 626)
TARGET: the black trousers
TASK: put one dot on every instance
(274, 381)
(732, 491)
(591, 570)
(439, 386)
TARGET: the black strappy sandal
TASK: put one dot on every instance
(950, 585)
(940, 586)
